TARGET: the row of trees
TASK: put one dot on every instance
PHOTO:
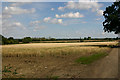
(86, 38)
(11, 40)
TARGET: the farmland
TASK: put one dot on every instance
(49, 60)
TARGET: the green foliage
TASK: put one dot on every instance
(11, 72)
(15, 72)
(112, 18)
(90, 59)
(85, 38)
(6, 69)
(89, 38)
(81, 40)
(27, 40)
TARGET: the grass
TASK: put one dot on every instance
(92, 58)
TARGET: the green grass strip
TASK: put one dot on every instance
(90, 59)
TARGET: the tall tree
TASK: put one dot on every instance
(112, 18)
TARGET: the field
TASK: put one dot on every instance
(54, 60)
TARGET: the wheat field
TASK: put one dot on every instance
(35, 49)
(43, 60)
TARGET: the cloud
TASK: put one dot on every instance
(73, 21)
(0, 16)
(15, 9)
(19, 3)
(61, 8)
(26, 1)
(100, 12)
(4, 16)
(36, 25)
(17, 24)
(56, 21)
(37, 28)
(52, 9)
(94, 6)
(13, 28)
(103, 33)
(47, 19)
(70, 15)
(35, 22)
(98, 19)
(53, 20)
(0, 23)
(7, 24)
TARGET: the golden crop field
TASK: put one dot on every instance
(51, 48)
(41, 60)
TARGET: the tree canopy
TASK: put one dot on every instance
(112, 18)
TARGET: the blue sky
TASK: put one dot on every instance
(54, 19)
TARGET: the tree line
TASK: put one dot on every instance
(11, 40)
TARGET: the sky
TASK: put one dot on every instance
(54, 19)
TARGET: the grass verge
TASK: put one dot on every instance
(90, 59)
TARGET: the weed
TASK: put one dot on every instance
(7, 69)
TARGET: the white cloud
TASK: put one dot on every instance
(17, 24)
(37, 28)
(35, 22)
(98, 19)
(19, 3)
(103, 33)
(94, 6)
(61, 8)
(0, 16)
(25, 1)
(15, 9)
(73, 21)
(52, 9)
(13, 28)
(6, 24)
(56, 21)
(36, 25)
(100, 12)
(53, 20)
(59, 20)
(70, 15)
(47, 19)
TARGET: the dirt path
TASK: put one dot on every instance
(108, 66)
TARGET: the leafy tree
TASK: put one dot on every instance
(89, 38)
(27, 40)
(0, 39)
(10, 38)
(43, 39)
(85, 38)
(112, 18)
